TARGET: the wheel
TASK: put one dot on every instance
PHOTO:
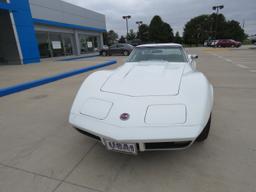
(204, 134)
(104, 53)
(126, 53)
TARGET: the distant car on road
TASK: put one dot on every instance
(117, 49)
(227, 43)
(105, 47)
(253, 39)
(135, 42)
(213, 43)
(209, 43)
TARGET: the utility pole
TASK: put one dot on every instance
(217, 8)
(126, 19)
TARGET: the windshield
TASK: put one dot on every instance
(170, 54)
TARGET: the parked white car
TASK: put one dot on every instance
(157, 100)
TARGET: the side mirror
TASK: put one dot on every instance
(194, 57)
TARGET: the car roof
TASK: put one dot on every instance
(121, 44)
(161, 45)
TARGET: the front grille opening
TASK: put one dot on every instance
(88, 134)
(167, 145)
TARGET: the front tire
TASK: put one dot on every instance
(126, 53)
(204, 134)
(104, 53)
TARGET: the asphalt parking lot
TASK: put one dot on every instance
(41, 152)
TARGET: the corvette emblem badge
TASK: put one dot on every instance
(124, 116)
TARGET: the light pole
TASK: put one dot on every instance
(217, 8)
(139, 23)
(126, 19)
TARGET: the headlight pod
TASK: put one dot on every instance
(166, 114)
(96, 108)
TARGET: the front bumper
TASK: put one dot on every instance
(157, 138)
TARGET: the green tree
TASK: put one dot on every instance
(159, 31)
(205, 27)
(219, 25)
(167, 33)
(155, 29)
(110, 37)
(198, 29)
(143, 33)
(131, 35)
(234, 31)
(177, 38)
(122, 40)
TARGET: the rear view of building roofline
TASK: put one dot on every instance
(35, 29)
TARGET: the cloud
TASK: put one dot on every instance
(175, 12)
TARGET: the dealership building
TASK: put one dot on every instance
(34, 29)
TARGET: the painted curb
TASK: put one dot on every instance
(36, 83)
(78, 58)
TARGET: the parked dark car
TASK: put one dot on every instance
(207, 43)
(210, 43)
(228, 43)
(117, 49)
(135, 42)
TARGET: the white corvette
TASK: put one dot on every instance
(157, 100)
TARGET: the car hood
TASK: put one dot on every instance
(154, 78)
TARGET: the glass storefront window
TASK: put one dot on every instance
(88, 44)
(56, 44)
(68, 44)
(83, 44)
(52, 44)
(43, 44)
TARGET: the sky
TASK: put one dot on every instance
(174, 12)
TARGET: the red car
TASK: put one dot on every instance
(227, 43)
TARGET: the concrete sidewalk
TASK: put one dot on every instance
(14, 74)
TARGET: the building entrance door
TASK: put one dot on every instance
(68, 43)
(9, 53)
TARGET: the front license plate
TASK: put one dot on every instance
(121, 147)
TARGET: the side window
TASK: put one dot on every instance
(120, 46)
(113, 46)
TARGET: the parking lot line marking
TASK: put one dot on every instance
(229, 60)
(215, 50)
(36, 83)
(213, 54)
(221, 57)
(242, 66)
(253, 71)
(244, 61)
